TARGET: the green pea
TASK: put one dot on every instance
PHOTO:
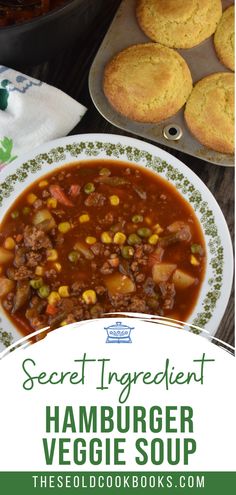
(134, 239)
(73, 256)
(89, 188)
(153, 302)
(116, 228)
(26, 210)
(137, 218)
(127, 252)
(144, 232)
(196, 249)
(15, 214)
(36, 283)
(44, 291)
(105, 171)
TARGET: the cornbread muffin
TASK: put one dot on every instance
(224, 38)
(178, 23)
(147, 82)
(209, 112)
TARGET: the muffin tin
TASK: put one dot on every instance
(172, 132)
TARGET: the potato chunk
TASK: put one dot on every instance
(161, 272)
(84, 250)
(5, 256)
(119, 284)
(44, 220)
(182, 280)
(6, 286)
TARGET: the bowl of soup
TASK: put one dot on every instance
(97, 224)
(32, 31)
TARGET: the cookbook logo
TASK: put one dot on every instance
(118, 333)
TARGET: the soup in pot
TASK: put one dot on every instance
(17, 11)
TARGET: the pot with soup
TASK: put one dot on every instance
(32, 31)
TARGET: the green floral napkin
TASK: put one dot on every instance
(31, 113)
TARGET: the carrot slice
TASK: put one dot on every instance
(27, 328)
(19, 237)
(58, 193)
(74, 190)
(51, 310)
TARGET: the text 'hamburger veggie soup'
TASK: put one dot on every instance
(96, 237)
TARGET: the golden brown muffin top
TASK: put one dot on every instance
(147, 82)
(178, 23)
(209, 112)
(224, 38)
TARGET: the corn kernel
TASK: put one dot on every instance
(63, 291)
(14, 214)
(106, 238)
(194, 261)
(114, 200)
(39, 271)
(89, 296)
(57, 267)
(53, 298)
(52, 202)
(90, 240)
(157, 229)
(43, 183)
(153, 239)
(64, 227)
(148, 220)
(63, 323)
(52, 255)
(31, 198)
(119, 238)
(9, 243)
(84, 218)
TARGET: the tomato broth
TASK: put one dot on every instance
(98, 237)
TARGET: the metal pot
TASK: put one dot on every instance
(35, 41)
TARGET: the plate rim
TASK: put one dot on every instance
(156, 153)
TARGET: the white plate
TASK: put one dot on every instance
(216, 287)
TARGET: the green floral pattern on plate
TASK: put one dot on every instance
(6, 338)
(111, 150)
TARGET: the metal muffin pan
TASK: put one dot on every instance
(172, 132)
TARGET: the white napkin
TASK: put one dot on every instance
(31, 113)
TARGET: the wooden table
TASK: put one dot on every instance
(69, 72)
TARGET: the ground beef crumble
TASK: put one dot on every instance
(95, 199)
(36, 239)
